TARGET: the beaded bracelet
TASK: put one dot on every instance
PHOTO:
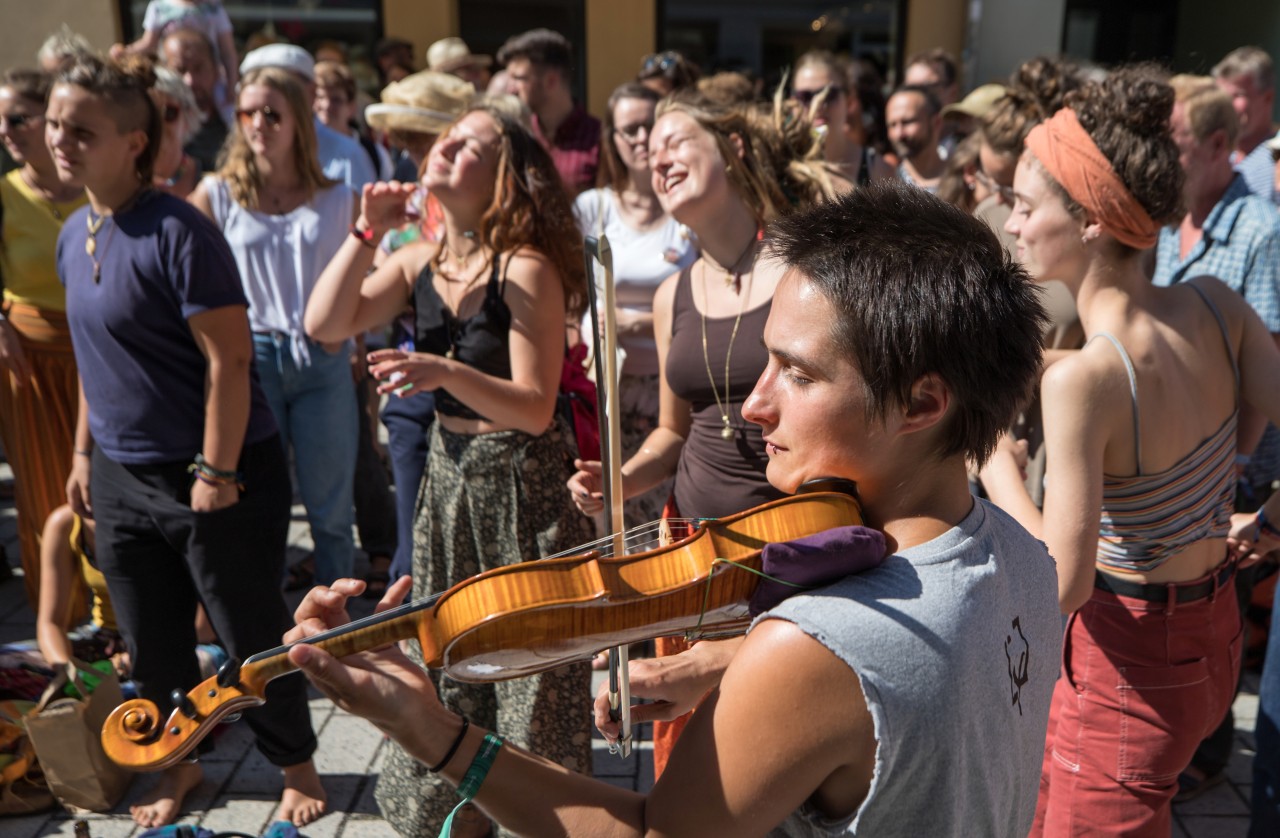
(453, 749)
(1265, 526)
(474, 777)
(201, 464)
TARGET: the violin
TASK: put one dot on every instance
(518, 620)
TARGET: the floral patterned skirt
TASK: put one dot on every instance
(490, 500)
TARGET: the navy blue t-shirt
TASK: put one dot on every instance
(143, 373)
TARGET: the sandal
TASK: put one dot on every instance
(378, 577)
(301, 575)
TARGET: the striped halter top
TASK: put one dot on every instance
(1149, 518)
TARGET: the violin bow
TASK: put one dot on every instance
(604, 318)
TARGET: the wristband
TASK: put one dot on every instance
(474, 777)
(1243, 459)
(82, 452)
(453, 749)
(201, 464)
(365, 236)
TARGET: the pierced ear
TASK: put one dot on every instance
(1090, 232)
(735, 139)
(930, 401)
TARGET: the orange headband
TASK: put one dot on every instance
(1073, 159)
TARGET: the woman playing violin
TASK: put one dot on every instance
(916, 694)
(492, 300)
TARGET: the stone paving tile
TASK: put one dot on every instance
(1210, 827)
(365, 827)
(239, 815)
(350, 745)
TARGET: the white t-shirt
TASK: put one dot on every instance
(641, 260)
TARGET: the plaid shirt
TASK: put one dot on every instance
(1259, 170)
(575, 149)
(1241, 247)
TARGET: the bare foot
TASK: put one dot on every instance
(163, 803)
(304, 797)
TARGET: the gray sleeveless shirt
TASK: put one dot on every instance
(957, 644)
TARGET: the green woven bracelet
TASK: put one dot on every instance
(474, 778)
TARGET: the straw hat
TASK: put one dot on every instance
(426, 102)
(977, 103)
(449, 54)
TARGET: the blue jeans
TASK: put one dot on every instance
(407, 422)
(315, 408)
(1266, 764)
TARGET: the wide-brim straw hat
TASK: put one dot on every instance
(426, 102)
(449, 54)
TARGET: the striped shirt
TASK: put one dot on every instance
(1147, 519)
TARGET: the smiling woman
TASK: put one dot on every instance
(37, 370)
(491, 303)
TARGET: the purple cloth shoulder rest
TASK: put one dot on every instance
(814, 561)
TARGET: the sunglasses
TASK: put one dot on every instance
(631, 133)
(18, 121)
(806, 97)
(988, 183)
(270, 116)
(659, 62)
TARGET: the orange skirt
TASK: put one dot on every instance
(37, 427)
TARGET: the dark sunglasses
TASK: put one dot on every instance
(806, 97)
(659, 62)
(18, 121)
(171, 113)
(269, 116)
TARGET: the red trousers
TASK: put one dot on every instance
(1142, 684)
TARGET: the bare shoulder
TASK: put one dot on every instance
(1086, 378)
(528, 267)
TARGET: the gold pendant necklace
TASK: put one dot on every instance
(94, 225)
(727, 431)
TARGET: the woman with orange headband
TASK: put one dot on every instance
(1140, 428)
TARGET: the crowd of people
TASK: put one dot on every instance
(1037, 326)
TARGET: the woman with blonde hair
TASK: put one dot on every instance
(284, 220)
(724, 173)
(491, 301)
(818, 85)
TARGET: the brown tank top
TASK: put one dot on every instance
(717, 476)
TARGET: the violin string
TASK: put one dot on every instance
(693, 633)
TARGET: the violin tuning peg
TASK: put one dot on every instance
(183, 703)
(229, 673)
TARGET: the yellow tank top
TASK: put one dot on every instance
(103, 615)
(28, 244)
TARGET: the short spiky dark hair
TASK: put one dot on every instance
(544, 48)
(920, 287)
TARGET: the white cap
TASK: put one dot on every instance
(284, 56)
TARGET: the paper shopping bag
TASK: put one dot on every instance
(67, 735)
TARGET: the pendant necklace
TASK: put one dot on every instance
(723, 407)
(95, 224)
(732, 276)
(453, 313)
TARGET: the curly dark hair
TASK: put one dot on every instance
(1035, 92)
(1127, 115)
